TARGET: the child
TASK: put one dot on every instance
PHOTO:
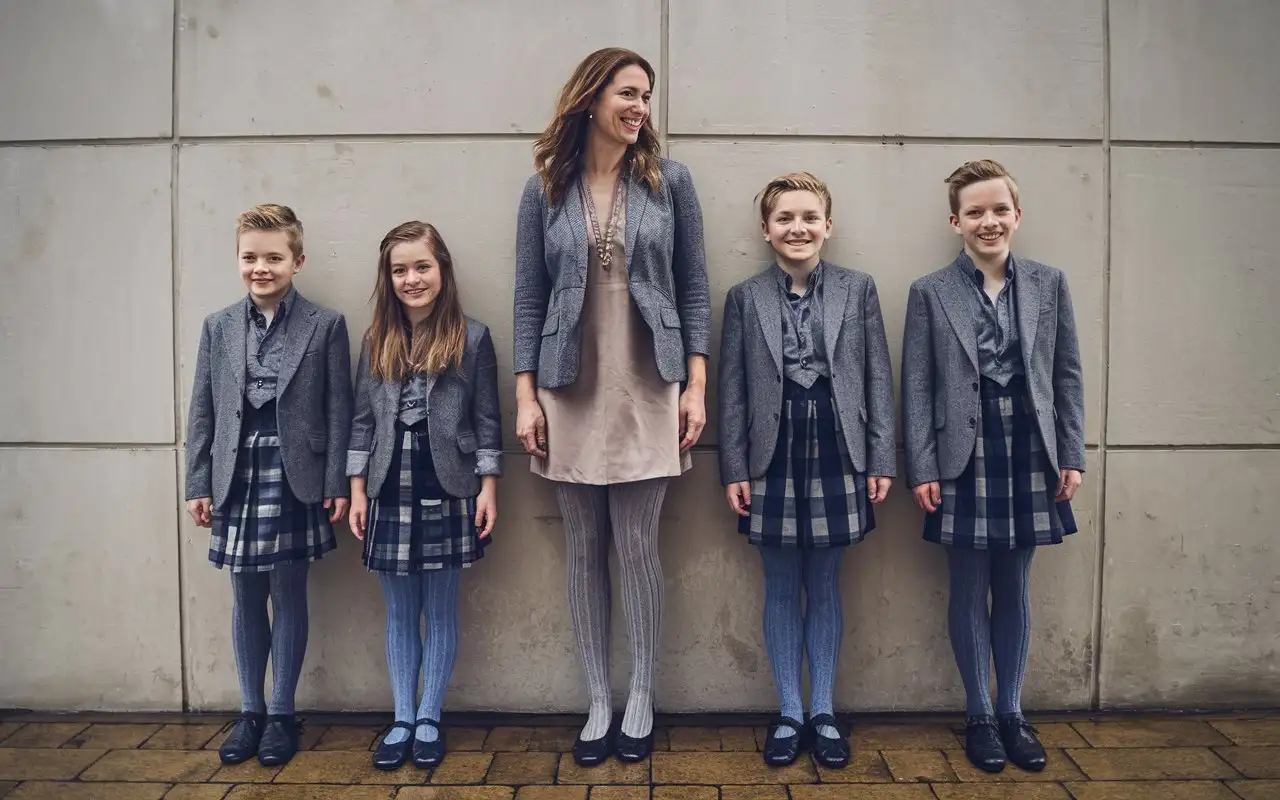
(266, 444)
(426, 453)
(993, 408)
(806, 444)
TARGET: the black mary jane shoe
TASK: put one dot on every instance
(428, 754)
(1020, 743)
(781, 751)
(829, 752)
(392, 756)
(241, 743)
(632, 749)
(594, 752)
(279, 740)
(982, 744)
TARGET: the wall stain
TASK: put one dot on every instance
(212, 32)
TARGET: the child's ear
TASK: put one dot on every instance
(297, 265)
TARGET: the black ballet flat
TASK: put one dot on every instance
(428, 754)
(632, 749)
(1020, 743)
(242, 742)
(982, 744)
(393, 756)
(781, 751)
(594, 752)
(832, 753)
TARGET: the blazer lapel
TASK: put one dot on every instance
(391, 398)
(300, 325)
(573, 216)
(835, 296)
(637, 199)
(235, 327)
(959, 309)
(1027, 291)
(769, 312)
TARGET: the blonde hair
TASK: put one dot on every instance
(272, 217)
(437, 342)
(792, 182)
(557, 152)
(971, 172)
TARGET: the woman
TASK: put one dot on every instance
(612, 315)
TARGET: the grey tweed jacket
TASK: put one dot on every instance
(940, 380)
(313, 403)
(666, 268)
(463, 419)
(751, 373)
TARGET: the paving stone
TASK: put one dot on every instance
(518, 769)
(753, 793)
(20, 765)
(7, 729)
(348, 766)
(869, 792)
(1151, 790)
(918, 766)
(349, 737)
(467, 738)
(41, 790)
(1250, 732)
(1000, 791)
(112, 737)
(182, 737)
(612, 771)
(891, 736)
(194, 791)
(6, 787)
(686, 793)
(621, 793)
(273, 791)
(1253, 762)
(661, 738)
(865, 766)
(44, 734)
(169, 766)
(691, 739)
(1151, 733)
(456, 793)
(462, 768)
(737, 739)
(720, 768)
(550, 740)
(1054, 734)
(508, 739)
(1058, 768)
(1256, 790)
(1151, 764)
(248, 772)
(552, 793)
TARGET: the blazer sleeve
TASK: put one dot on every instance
(533, 283)
(337, 409)
(1068, 384)
(920, 439)
(361, 442)
(733, 394)
(689, 265)
(882, 460)
(200, 423)
(486, 414)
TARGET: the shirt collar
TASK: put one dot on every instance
(282, 309)
(784, 280)
(971, 271)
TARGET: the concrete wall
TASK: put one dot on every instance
(1145, 136)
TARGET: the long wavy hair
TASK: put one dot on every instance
(396, 348)
(557, 153)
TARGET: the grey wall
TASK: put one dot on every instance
(1144, 134)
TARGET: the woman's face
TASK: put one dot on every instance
(622, 108)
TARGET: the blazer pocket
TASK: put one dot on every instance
(670, 317)
(552, 323)
(467, 442)
(318, 444)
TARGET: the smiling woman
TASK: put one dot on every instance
(611, 314)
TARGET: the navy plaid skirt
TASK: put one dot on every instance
(262, 524)
(413, 524)
(1004, 499)
(810, 496)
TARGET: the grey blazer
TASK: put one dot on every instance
(313, 403)
(940, 378)
(464, 421)
(751, 373)
(666, 268)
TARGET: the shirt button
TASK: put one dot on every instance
(259, 383)
(804, 362)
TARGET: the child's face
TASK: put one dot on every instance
(622, 108)
(987, 219)
(798, 226)
(415, 275)
(267, 264)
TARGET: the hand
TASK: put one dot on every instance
(878, 488)
(1068, 483)
(337, 507)
(928, 496)
(693, 415)
(739, 495)
(531, 427)
(487, 508)
(359, 514)
(201, 510)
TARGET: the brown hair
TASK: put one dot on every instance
(437, 342)
(558, 151)
(971, 172)
(272, 217)
(792, 182)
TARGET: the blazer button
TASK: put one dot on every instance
(237, 415)
(972, 422)
(775, 415)
(976, 387)
(779, 379)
